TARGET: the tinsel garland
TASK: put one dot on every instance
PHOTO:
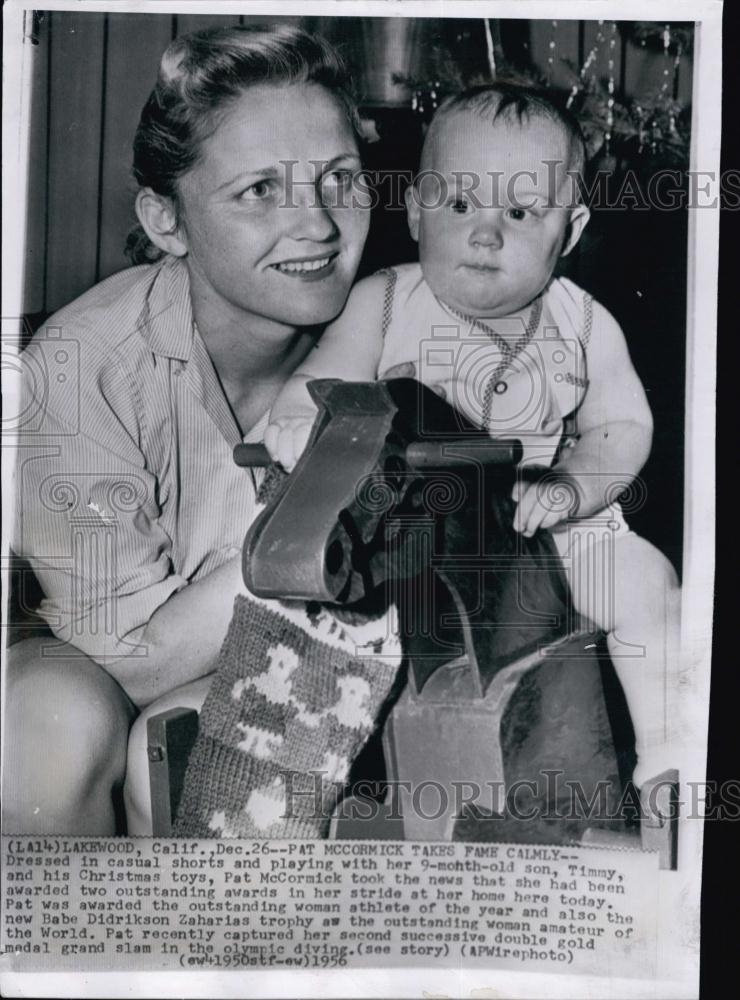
(654, 127)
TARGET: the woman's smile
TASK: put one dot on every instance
(308, 268)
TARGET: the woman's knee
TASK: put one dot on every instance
(65, 703)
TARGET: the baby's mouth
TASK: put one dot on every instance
(485, 268)
(308, 265)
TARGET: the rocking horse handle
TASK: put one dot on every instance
(438, 454)
(252, 456)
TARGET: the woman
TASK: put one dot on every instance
(252, 225)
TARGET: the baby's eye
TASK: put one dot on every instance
(517, 214)
(258, 191)
(459, 206)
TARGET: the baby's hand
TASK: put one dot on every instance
(544, 503)
(286, 439)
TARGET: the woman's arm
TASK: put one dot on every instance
(349, 349)
(183, 636)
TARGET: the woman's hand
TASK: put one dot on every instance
(407, 369)
(286, 438)
(458, 392)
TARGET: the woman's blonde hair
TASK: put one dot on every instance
(200, 75)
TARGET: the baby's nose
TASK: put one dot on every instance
(487, 233)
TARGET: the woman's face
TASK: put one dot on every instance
(274, 217)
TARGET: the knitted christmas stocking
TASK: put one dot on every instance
(296, 694)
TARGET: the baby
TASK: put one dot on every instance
(483, 321)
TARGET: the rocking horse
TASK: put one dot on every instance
(397, 498)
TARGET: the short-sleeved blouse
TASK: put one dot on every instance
(126, 486)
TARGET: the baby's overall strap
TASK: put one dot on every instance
(575, 307)
(588, 319)
(571, 309)
(391, 277)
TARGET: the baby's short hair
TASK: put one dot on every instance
(513, 102)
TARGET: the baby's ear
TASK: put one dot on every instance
(413, 211)
(579, 216)
(159, 220)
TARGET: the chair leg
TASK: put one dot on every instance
(659, 823)
(171, 736)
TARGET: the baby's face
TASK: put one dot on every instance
(491, 219)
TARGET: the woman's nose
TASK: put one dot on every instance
(487, 231)
(311, 219)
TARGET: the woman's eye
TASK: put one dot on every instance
(258, 191)
(517, 214)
